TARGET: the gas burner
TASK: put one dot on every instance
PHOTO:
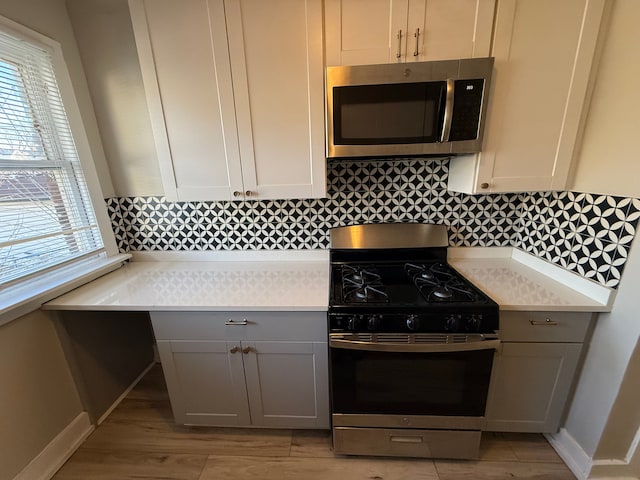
(362, 285)
(366, 294)
(437, 282)
(442, 293)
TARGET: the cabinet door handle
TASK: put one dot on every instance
(399, 52)
(234, 349)
(417, 35)
(249, 193)
(232, 322)
(246, 350)
(547, 321)
(484, 185)
(237, 193)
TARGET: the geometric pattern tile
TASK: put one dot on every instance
(586, 233)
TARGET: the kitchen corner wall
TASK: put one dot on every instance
(585, 233)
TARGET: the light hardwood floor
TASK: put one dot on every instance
(140, 441)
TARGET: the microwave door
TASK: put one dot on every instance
(390, 114)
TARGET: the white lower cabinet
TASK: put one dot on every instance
(534, 370)
(238, 379)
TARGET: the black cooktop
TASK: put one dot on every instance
(381, 290)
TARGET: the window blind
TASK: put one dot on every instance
(46, 217)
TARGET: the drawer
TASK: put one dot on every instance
(407, 442)
(567, 327)
(276, 326)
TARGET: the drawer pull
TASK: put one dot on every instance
(234, 349)
(232, 322)
(247, 350)
(548, 322)
(405, 439)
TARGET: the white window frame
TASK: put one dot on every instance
(28, 295)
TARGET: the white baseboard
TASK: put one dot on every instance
(49, 460)
(578, 461)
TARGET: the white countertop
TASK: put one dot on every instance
(216, 285)
(518, 281)
(514, 279)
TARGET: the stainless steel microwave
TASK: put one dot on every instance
(404, 109)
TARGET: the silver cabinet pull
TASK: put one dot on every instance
(547, 321)
(232, 322)
(399, 53)
(234, 349)
(237, 193)
(249, 193)
(417, 35)
(405, 439)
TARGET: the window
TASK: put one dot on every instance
(46, 217)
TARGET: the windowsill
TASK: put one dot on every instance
(25, 297)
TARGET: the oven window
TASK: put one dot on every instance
(410, 383)
(388, 114)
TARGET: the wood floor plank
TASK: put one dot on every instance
(109, 465)
(299, 468)
(139, 440)
(151, 387)
(486, 470)
(162, 437)
(139, 410)
(532, 448)
(311, 443)
(494, 447)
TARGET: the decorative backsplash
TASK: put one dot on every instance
(588, 234)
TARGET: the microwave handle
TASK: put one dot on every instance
(448, 110)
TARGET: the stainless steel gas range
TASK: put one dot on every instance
(411, 345)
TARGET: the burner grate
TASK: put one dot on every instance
(437, 282)
(362, 285)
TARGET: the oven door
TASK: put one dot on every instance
(411, 379)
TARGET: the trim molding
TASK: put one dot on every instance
(578, 461)
(128, 389)
(58, 451)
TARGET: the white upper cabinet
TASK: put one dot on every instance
(544, 51)
(360, 32)
(235, 93)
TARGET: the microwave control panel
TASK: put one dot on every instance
(467, 102)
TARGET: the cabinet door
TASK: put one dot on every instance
(277, 67)
(182, 47)
(543, 52)
(530, 383)
(287, 384)
(206, 382)
(364, 32)
(449, 29)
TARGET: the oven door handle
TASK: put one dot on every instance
(415, 347)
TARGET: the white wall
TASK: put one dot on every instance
(49, 17)
(117, 92)
(608, 164)
(38, 398)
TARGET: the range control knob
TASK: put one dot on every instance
(474, 323)
(354, 323)
(374, 322)
(452, 323)
(413, 323)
